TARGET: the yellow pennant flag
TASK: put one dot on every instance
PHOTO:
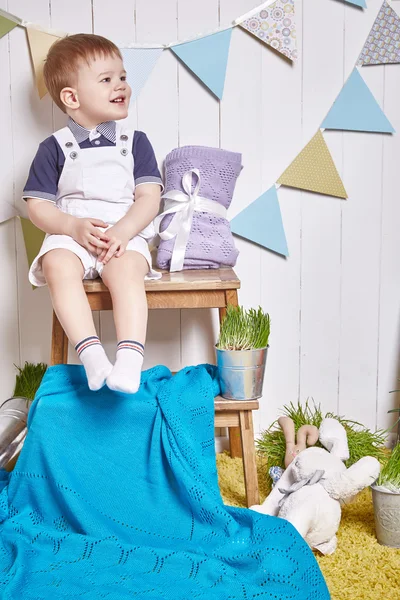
(39, 43)
(6, 25)
(314, 170)
(33, 238)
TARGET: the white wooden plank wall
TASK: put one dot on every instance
(334, 303)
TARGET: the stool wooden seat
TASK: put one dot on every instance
(208, 288)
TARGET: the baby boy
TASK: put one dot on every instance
(94, 187)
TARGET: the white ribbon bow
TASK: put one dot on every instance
(184, 205)
(311, 480)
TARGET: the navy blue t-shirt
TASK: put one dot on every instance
(48, 163)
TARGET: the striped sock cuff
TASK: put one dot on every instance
(86, 343)
(131, 345)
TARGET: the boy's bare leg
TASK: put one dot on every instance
(124, 277)
(63, 271)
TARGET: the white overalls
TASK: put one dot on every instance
(96, 183)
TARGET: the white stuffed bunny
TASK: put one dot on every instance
(311, 490)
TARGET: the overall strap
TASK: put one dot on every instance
(67, 141)
(124, 136)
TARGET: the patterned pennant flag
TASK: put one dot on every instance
(207, 58)
(275, 25)
(33, 238)
(261, 222)
(39, 43)
(7, 23)
(383, 43)
(355, 109)
(314, 170)
(139, 63)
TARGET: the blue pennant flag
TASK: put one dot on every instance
(207, 58)
(361, 3)
(355, 109)
(139, 63)
(261, 222)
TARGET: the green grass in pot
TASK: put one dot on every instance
(28, 380)
(244, 329)
(390, 475)
(396, 410)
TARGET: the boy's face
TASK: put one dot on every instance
(102, 90)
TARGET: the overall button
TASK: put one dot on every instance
(96, 142)
(124, 151)
(123, 137)
(73, 155)
(69, 144)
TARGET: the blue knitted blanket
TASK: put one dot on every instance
(116, 496)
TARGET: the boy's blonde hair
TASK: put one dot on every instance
(64, 56)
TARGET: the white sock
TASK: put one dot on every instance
(95, 361)
(125, 376)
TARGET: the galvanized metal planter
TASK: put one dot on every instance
(241, 373)
(13, 429)
(387, 516)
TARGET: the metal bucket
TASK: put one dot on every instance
(387, 517)
(241, 373)
(13, 420)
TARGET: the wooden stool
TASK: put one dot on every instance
(208, 288)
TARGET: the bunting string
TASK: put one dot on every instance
(206, 54)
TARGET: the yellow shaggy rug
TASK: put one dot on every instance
(360, 569)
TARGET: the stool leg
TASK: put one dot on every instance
(59, 343)
(222, 313)
(235, 446)
(249, 457)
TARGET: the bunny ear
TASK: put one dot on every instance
(308, 435)
(287, 425)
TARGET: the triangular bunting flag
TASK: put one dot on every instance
(139, 63)
(261, 222)
(383, 43)
(6, 24)
(314, 170)
(360, 3)
(33, 238)
(207, 58)
(355, 109)
(275, 25)
(39, 43)
(7, 211)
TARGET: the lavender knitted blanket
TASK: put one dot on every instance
(210, 244)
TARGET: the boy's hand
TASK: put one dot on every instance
(87, 234)
(116, 246)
